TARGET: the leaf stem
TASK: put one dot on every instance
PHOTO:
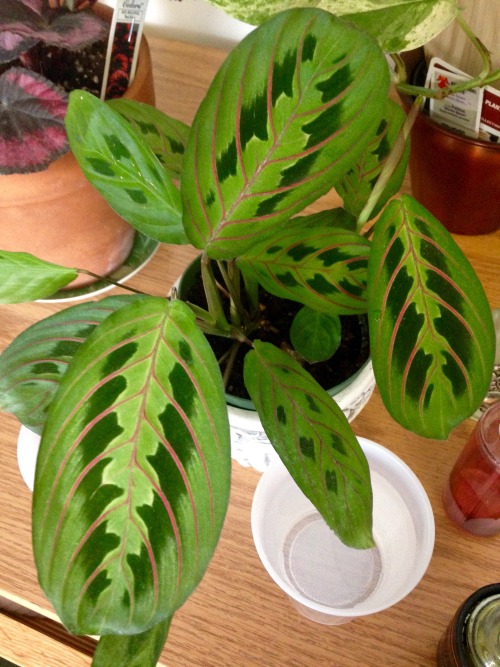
(110, 281)
(486, 76)
(212, 293)
(390, 165)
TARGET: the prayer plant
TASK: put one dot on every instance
(133, 475)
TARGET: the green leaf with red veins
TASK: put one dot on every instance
(312, 91)
(32, 366)
(357, 184)
(123, 168)
(166, 136)
(432, 338)
(321, 267)
(314, 440)
(133, 474)
(141, 650)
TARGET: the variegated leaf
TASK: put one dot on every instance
(33, 365)
(314, 440)
(309, 91)
(24, 277)
(165, 136)
(357, 184)
(133, 475)
(399, 25)
(431, 331)
(321, 267)
(132, 650)
(332, 217)
(123, 168)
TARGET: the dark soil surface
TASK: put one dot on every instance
(275, 320)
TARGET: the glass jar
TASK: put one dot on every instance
(472, 494)
(472, 638)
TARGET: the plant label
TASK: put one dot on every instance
(460, 112)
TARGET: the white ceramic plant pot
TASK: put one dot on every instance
(250, 445)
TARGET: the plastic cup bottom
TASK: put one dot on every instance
(325, 580)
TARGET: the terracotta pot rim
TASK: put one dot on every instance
(424, 117)
(479, 143)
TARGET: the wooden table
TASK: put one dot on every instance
(238, 617)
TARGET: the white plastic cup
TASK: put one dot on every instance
(326, 581)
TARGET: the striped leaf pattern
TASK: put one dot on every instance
(357, 184)
(141, 650)
(314, 440)
(33, 365)
(135, 464)
(311, 90)
(165, 136)
(321, 267)
(123, 168)
(431, 332)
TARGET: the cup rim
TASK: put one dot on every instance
(371, 449)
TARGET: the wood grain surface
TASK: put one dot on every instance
(238, 617)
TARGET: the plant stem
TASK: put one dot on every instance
(110, 281)
(215, 307)
(480, 47)
(390, 165)
(230, 358)
(232, 279)
(486, 76)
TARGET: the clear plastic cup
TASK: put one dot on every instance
(325, 580)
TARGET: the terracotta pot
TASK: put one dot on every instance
(456, 178)
(58, 216)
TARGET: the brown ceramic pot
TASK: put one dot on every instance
(57, 215)
(456, 178)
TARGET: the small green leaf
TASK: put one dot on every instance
(165, 136)
(315, 336)
(32, 366)
(123, 169)
(314, 440)
(24, 277)
(432, 337)
(324, 268)
(132, 650)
